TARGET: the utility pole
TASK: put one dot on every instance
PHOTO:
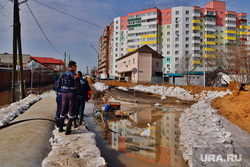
(64, 66)
(17, 44)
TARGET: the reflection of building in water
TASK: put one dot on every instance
(161, 147)
(169, 143)
(118, 139)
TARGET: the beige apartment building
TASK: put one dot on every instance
(146, 61)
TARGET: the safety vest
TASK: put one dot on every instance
(67, 81)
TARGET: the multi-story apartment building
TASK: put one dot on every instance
(103, 52)
(179, 31)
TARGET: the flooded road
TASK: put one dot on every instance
(121, 143)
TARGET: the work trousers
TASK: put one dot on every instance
(69, 106)
(81, 105)
(59, 105)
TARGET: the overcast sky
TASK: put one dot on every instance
(74, 36)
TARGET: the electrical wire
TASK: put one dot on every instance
(69, 15)
(43, 31)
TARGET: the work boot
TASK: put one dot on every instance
(80, 119)
(61, 125)
(68, 129)
(57, 122)
(75, 124)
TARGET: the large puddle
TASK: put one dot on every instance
(122, 144)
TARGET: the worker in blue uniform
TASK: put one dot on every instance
(83, 95)
(58, 100)
(69, 85)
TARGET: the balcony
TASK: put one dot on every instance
(149, 17)
(209, 22)
(230, 25)
(210, 43)
(196, 41)
(243, 33)
(195, 48)
(196, 34)
(196, 28)
(210, 36)
(230, 38)
(197, 21)
(230, 19)
(210, 29)
(196, 15)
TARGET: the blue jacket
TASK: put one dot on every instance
(85, 90)
(69, 82)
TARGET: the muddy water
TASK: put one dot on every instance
(122, 144)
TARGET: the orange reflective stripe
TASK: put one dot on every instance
(88, 95)
(76, 76)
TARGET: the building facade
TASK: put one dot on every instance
(179, 31)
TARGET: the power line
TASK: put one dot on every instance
(70, 15)
(43, 31)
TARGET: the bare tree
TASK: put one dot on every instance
(185, 66)
(235, 60)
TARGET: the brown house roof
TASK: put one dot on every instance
(144, 48)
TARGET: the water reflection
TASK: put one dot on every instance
(161, 147)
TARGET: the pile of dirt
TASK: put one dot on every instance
(236, 108)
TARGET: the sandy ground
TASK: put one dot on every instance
(235, 107)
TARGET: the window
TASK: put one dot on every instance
(122, 26)
(129, 62)
(162, 14)
(187, 25)
(187, 18)
(176, 38)
(176, 25)
(187, 39)
(168, 13)
(176, 45)
(221, 12)
(176, 52)
(122, 21)
(168, 59)
(168, 20)
(168, 39)
(177, 12)
(168, 33)
(168, 26)
(177, 33)
(116, 22)
(116, 27)
(133, 60)
(157, 64)
(168, 46)
(187, 12)
(168, 52)
(187, 32)
(201, 20)
(187, 45)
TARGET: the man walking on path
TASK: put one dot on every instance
(58, 100)
(83, 95)
(69, 85)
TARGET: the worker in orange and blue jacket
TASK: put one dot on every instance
(83, 95)
(69, 85)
